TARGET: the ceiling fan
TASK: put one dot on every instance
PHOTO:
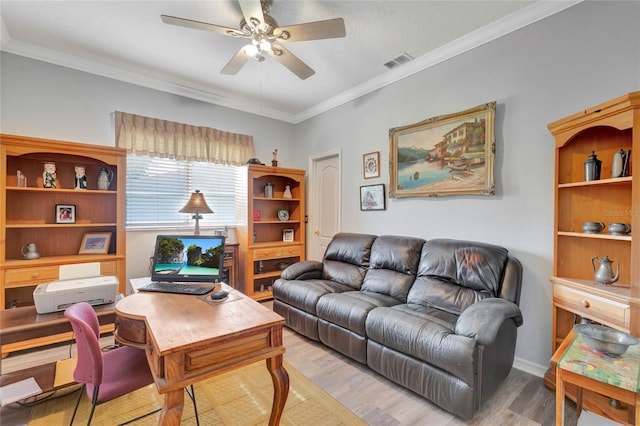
(264, 35)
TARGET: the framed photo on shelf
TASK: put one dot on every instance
(95, 243)
(372, 197)
(287, 235)
(371, 165)
(65, 213)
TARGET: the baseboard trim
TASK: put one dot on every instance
(530, 367)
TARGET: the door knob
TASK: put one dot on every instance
(317, 232)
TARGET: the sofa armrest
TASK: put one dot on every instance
(483, 319)
(305, 270)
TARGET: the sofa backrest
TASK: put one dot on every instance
(454, 274)
(393, 266)
(347, 257)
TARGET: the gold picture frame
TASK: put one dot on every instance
(371, 165)
(452, 154)
(95, 243)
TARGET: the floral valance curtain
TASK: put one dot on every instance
(167, 139)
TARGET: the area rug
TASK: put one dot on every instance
(241, 397)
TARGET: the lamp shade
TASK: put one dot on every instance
(196, 204)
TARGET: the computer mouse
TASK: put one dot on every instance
(219, 295)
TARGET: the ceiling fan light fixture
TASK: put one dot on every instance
(265, 45)
(251, 50)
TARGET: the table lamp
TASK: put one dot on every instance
(197, 205)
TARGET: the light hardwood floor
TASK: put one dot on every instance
(521, 400)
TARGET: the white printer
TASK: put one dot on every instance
(59, 295)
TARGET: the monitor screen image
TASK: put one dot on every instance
(188, 258)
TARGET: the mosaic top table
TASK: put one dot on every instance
(617, 377)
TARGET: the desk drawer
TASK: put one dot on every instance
(594, 307)
(30, 276)
(275, 252)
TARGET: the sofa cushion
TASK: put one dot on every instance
(393, 266)
(346, 259)
(350, 309)
(455, 274)
(422, 337)
(304, 295)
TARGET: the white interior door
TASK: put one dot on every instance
(325, 202)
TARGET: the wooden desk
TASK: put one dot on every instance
(23, 328)
(578, 365)
(189, 338)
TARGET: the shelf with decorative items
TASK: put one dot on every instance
(596, 272)
(273, 233)
(61, 198)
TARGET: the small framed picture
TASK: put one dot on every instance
(371, 165)
(287, 235)
(95, 243)
(372, 197)
(65, 213)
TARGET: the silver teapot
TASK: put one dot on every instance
(105, 176)
(604, 274)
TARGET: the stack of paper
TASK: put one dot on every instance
(18, 391)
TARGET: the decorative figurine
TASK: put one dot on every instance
(49, 175)
(81, 177)
(22, 179)
(287, 192)
(274, 160)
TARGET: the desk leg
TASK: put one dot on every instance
(559, 398)
(280, 379)
(172, 410)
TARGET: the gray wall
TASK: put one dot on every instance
(575, 59)
(578, 58)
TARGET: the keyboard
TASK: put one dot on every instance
(177, 288)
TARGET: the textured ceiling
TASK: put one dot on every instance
(128, 41)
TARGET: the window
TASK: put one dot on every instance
(158, 187)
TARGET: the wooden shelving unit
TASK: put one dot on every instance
(604, 129)
(262, 250)
(29, 215)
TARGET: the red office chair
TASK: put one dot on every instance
(106, 375)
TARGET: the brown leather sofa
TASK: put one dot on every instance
(438, 317)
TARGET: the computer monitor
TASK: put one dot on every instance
(188, 258)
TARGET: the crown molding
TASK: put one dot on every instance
(527, 16)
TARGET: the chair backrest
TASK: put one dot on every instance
(86, 329)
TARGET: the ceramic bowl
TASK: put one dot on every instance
(619, 228)
(605, 339)
(592, 227)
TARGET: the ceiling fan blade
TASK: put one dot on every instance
(292, 62)
(252, 12)
(236, 63)
(331, 28)
(202, 26)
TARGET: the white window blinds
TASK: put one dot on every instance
(158, 187)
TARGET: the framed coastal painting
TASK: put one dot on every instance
(451, 154)
(372, 197)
